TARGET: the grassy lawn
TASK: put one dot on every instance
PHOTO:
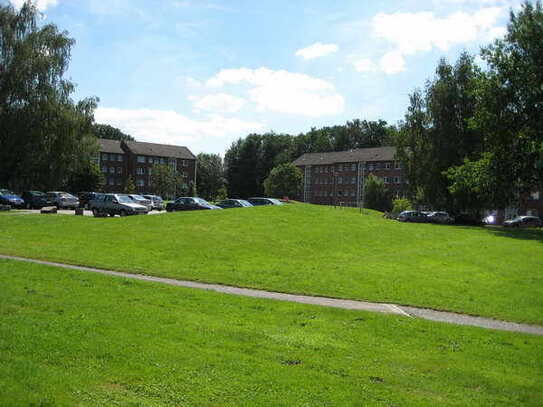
(72, 338)
(306, 249)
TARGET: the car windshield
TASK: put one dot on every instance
(66, 195)
(37, 193)
(201, 201)
(137, 197)
(244, 202)
(6, 192)
(124, 199)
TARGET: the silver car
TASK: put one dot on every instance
(63, 200)
(140, 200)
(156, 201)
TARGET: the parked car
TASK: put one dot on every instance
(412, 216)
(156, 201)
(10, 198)
(117, 204)
(142, 201)
(63, 200)
(264, 201)
(234, 203)
(524, 222)
(440, 217)
(96, 201)
(189, 204)
(85, 198)
(35, 199)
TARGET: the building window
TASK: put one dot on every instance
(387, 166)
(535, 196)
(162, 161)
(339, 193)
(104, 169)
(185, 163)
(112, 170)
(386, 180)
(353, 193)
(141, 159)
(340, 180)
(120, 157)
(353, 167)
(140, 183)
(398, 165)
(118, 181)
(353, 180)
(396, 180)
(111, 181)
(140, 170)
(370, 167)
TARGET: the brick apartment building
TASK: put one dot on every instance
(119, 160)
(338, 177)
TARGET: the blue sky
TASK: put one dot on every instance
(204, 73)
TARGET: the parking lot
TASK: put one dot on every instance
(62, 212)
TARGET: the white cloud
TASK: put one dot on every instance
(218, 102)
(169, 127)
(411, 33)
(392, 63)
(364, 65)
(42, 5)
(284, 92)
(317, 50)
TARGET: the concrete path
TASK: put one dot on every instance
(63, 212)
(407, 311)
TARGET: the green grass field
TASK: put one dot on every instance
(71, 338)
(306, 249)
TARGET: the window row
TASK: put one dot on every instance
(353, 167)
(114, 181)
(323, 194)
(112, 170)
(112, 157)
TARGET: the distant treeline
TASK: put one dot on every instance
(249, 160)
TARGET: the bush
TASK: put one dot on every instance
(399, 205)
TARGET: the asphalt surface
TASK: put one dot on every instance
(407, 311)
(62, 212)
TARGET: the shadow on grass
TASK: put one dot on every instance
(524, 234)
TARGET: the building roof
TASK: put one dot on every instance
(110, 146)
(359, 154)
(160, 150)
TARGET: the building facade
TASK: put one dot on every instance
(121, 160)
(338, 177)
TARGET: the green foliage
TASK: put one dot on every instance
(285, 180)
(437, 134)
(511, 109)
(222, 193)
(87, 178)
(401, 204)
(165, 181)
(45, 135)
(130, 187)
(376, 194)
(109, 132)
(210, 175)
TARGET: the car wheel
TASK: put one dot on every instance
(123, 213)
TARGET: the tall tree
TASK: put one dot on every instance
(285, 180)
(165, 181)
(210, 175)
(45, 136)
(511, 108)
(437, 130)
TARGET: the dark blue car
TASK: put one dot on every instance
(9, 198)
(189, 203)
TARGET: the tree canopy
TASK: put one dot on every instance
(46, 137)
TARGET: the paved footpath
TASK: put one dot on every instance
(407, 311)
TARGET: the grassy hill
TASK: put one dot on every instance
(306, 249)
(73, 338)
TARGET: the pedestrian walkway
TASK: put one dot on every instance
(407, 311)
